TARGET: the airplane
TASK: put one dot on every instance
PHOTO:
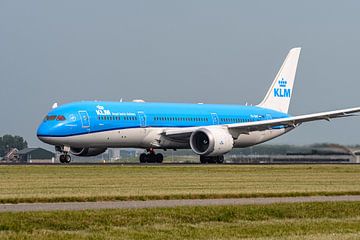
(88, 128)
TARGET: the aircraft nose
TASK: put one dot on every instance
(46, 130)
(51, 127)
(45, 133)
(42, 131)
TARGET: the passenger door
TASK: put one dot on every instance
(215, 118)
(85, 121)
(142, 119)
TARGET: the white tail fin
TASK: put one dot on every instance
(279, 95)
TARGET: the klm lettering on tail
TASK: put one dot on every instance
(282, 91)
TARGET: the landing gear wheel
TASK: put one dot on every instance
(203, 160)
(215, 159)
(143, 158)
(62, 158)
(151, 157)
(67, 158)
(220, 159)
(159, 158)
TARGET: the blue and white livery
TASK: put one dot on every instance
(89, 128)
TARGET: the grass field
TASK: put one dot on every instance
(339, 220)
(92, 183)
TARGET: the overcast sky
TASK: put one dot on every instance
(178, 51)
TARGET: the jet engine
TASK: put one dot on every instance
(86, 152)
(211, 141)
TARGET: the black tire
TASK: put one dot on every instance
(220, 159)
(203, 160)
(143, 158)
(67, 158)
(159, 158)
(62, 158)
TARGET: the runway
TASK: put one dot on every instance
(70, 206)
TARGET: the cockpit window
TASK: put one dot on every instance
(60, 118)
(54, 117)
(51, 117)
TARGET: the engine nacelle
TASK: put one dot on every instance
(211, 141)
(86, 152)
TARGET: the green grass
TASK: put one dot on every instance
(94, 183)
(339, 220)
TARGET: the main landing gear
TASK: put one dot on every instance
(215, 159)
(151, 157)
(65, 158)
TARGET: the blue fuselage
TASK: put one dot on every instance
(91, 116)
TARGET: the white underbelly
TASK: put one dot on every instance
(133, 137)
(256, 137)
(150, 138)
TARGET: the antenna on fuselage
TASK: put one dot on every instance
(138, 100)
(55, 105)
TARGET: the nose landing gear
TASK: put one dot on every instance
(151, 157)
(65, 158)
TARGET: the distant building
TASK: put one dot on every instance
(127, 153)
(12, 155)
(325, 153)
(36, 155)
(334, 150)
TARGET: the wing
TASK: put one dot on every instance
(182, 134)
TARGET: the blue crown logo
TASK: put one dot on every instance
(282, 82)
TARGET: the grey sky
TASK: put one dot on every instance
(178, 51)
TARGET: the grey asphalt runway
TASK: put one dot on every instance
(23, 207)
